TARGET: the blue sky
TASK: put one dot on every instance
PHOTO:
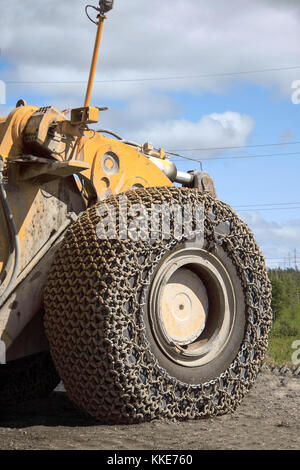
(141, 41)
(254, 180)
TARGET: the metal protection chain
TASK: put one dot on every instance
(94, 320)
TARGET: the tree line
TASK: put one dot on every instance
(285, 301)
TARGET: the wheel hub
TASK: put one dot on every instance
(184, 307)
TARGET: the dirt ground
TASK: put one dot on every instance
(269, 418)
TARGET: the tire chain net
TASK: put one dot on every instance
(94, 317)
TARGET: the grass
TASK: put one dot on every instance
(286, 315)
(284, 332)
(280, 349)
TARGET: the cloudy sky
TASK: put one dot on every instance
(185, 75)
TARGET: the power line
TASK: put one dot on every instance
(230, 148)
(181, 77)
(266, 206)
(184, 157)
(268, 209)
(288, 261)
(236, 157)
(269, 204)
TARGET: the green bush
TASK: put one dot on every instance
(280, 349)
(283, 328)
(286, 314)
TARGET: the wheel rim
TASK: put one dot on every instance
(192, 307)
(183, 307)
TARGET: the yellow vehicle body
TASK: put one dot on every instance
(41, 197)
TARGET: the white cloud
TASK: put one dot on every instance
(276, 240)
(54, 40)
(226, 129)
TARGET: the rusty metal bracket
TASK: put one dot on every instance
(203, 181)
(32, 167)
(85, 115)
(14, 240)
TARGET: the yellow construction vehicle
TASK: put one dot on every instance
(119, 275)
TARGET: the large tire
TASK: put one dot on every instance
(111, 345)
(29, 378)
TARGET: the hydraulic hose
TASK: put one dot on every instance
(127, 142)
(106, 131)
(14, 239)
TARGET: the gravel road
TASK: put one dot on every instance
(269, 418)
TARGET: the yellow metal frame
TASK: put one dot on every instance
(94, 60)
